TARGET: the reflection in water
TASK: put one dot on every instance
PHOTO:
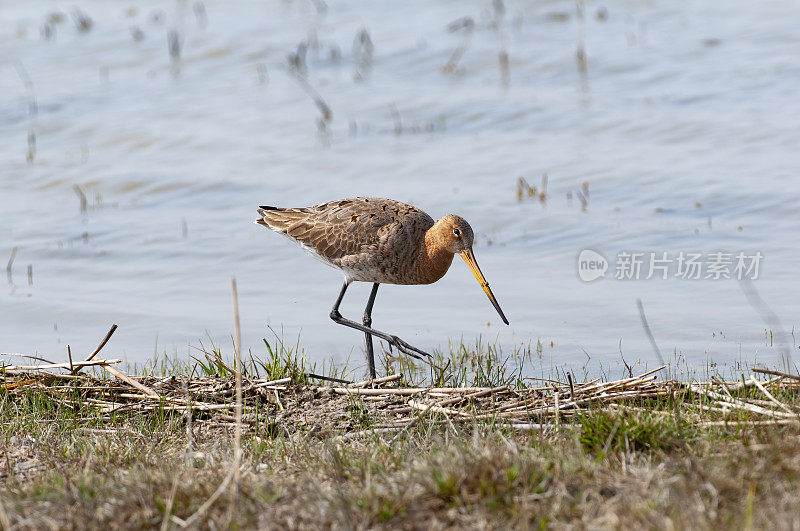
(171, 126)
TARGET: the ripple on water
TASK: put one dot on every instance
(684, 129)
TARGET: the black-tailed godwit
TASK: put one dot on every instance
(380, 241)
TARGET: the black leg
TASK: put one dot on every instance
(368, 323)
(395, 341)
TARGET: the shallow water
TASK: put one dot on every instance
(685, 127)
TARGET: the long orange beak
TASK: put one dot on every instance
(469, 258)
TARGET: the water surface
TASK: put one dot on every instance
(684, 126)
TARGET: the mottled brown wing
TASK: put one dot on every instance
(342, 228)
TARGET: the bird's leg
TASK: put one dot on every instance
(398, 343)
(368, 323)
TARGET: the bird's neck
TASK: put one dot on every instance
(435, 259)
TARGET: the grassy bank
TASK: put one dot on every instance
(92, 452)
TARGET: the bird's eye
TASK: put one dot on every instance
(456, 232)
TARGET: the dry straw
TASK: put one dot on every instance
(395, 408)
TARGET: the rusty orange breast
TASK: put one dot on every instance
(434, 259)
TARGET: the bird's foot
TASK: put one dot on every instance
(405, 348)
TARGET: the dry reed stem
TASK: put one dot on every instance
(770, 397)
(777, 373)
(738, 403)
(238, 366)
(51, 366)
(119, 374)
(102, 343)
(377, 381)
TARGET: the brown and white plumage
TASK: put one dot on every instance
(369, 239)
(381, 241)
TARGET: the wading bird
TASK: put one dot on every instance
(380, 241)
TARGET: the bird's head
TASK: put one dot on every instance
(454, 234)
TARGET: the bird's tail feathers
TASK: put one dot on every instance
(280, 219)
